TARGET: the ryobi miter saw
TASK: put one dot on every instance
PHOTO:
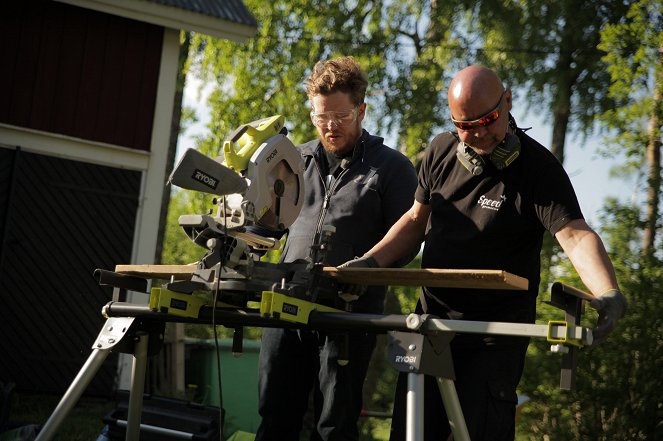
(258, 179)
(258, 186)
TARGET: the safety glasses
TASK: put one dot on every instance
(322, 119)
(484, 121)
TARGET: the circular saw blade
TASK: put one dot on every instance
(283, 184)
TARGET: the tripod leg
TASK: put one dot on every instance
(137, 387)
(414, 421)
(73, 394)
(452, 407)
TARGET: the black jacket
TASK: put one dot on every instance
(370, 194)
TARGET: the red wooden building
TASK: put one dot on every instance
(87, 93)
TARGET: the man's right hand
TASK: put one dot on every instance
(365, 261)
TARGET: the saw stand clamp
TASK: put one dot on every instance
(570, 300)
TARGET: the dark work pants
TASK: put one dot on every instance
(486, 381)
(292, 363)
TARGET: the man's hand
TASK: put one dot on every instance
(350, 291)
(365, 261)
(611, 306)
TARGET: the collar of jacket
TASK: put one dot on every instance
(365, 143)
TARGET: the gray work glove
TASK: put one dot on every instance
(350, 291)
(611, 306)
(365, 261)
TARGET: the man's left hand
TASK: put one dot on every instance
(365, 261)
(611, 306)
(351, 291)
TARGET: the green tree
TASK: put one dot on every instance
(549, 50)
(616, 393)
(421, 48)
(634, 56)
(265, 75)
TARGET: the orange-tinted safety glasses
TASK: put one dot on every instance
(484, 121)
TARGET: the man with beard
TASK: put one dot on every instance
(358, 185)
(486, 194)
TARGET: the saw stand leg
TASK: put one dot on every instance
(117, 331)
(419, 355)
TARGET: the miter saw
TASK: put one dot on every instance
(259, 181)
(258, 187)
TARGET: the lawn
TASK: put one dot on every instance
(84, 422)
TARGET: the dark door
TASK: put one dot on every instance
(59, 221)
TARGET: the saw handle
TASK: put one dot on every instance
(246, 139)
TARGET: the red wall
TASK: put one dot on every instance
(78, 72)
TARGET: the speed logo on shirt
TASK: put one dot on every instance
(491, 204)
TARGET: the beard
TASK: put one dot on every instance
(340, 140)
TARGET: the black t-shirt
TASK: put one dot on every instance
(492, 221)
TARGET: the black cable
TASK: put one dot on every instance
(216, 337)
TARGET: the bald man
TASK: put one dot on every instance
(486, 194)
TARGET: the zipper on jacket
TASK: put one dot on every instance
(330, 185)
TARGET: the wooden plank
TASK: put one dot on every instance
(178, 272)
(434, 277)
(447, 278)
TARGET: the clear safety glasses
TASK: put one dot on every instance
(346, 118)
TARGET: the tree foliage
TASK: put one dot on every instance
(615, 394)
(549, 49)
(634, 56)
(614, 398)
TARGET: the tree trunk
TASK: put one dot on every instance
(561, 107)
(560, 124)
(654, 162)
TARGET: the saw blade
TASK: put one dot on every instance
(283, 184)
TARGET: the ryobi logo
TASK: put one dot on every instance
(205, 179)
(289, 309)
(406, 359)
(272, 155)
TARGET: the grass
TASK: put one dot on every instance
(83, 423)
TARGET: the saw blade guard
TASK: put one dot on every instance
(276, 183)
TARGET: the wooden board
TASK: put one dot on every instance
(177, 272)
(448, 278)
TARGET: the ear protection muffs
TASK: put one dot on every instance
(503, 155)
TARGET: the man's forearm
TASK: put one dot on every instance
(403, 237)
(586, 252)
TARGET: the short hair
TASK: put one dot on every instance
(341, 74)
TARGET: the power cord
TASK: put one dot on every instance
(222, 256)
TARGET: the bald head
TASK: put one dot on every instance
(480, 107)
(474, 91)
